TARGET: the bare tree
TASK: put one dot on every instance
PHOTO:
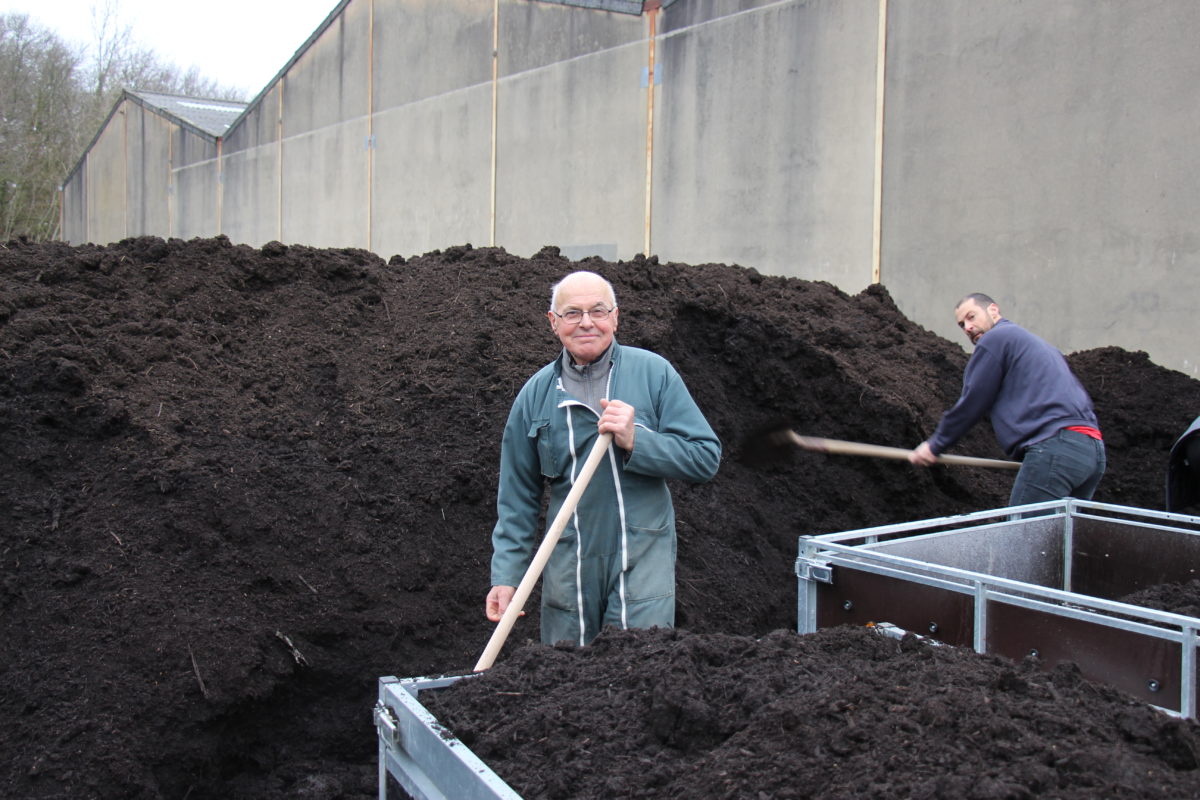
(38, 104)
(55, 96)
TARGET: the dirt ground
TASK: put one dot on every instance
(238, 485)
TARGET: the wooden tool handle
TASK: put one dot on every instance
(879, 451)
(504, 626)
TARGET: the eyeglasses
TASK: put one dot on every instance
(574, 316)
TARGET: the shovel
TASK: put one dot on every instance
(773, 444)
(504, 626)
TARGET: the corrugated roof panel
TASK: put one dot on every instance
(210, 116)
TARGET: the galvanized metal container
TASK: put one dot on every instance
(1041, 580)
(421, 754)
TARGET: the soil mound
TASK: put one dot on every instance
(844, 713)
(238, 485)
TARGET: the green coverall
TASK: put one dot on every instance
(615, 561)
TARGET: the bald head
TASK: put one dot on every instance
(582, 282)
(588, 335)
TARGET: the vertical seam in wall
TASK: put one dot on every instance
(495, 92)
(125, 150)
(279, 158)
(370, 119)
(650, 129)
(171, 180)
(877, 200)
(220, 184)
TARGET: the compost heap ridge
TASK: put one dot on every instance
(241, 484)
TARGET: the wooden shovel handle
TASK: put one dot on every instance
(504, 626)
(859, 449)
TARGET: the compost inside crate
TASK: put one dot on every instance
(842, 712)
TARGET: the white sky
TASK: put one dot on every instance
(237, 43)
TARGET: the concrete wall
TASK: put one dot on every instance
(252, 166)
(571, 131)
(1044, 153)
(128, 182)
(196, 184)
(105, 210)
(431, 165)
(765, 136)
(1035, 151)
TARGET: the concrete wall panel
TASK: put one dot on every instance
(1045, 154)
(328, 84)
(571, 156)
(325, 186)
(135, 168)
(427, 48)
(259, 124)
(685, 14)
(536, 35)
(764, 139)
(74, 207)
(149, 172)
(194, 210)
(250, 200)
(106, 216)
(432, 176)
(189, 148)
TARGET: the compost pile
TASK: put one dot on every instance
(842, 713)
(238, 485)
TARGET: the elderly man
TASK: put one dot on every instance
(615, 561)
(1040, 412)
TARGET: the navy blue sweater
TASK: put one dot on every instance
(1026, 386)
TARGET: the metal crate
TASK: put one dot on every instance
(421, 754)
(1038, 580)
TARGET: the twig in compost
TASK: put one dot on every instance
(196, 669)
(77, 336)
(296, 654)
(193, 363)
(306, 583)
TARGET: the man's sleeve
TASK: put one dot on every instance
(685, 446)
(981, 385)
(518, 499)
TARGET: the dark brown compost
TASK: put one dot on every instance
(238, 485)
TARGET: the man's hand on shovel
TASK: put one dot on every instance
(923, 456)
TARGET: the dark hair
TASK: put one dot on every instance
(980, 299)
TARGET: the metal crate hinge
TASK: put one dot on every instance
(387, 724)
(810, 569)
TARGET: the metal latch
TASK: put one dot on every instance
(813, 570)
(387, 724)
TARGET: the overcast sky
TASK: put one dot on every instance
(238, 43)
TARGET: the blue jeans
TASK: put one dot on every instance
(1068, 464)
